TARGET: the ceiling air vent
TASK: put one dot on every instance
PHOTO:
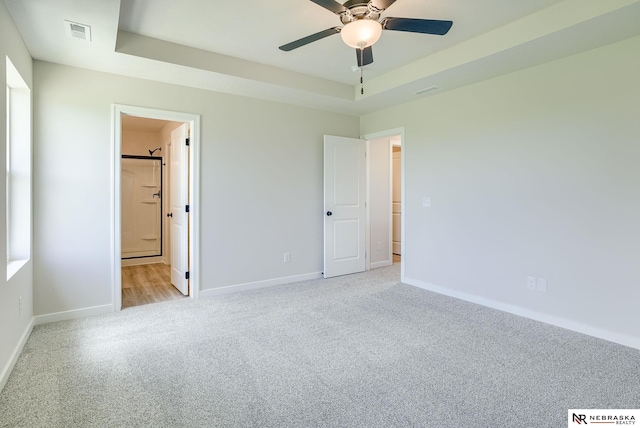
(427, 90)
(78, 31)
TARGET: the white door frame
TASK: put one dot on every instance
(374, 136)
(118, 110)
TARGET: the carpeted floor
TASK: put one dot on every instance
(356, 351)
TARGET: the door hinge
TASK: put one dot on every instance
(186, 275)
(187, 141)
(186, 208)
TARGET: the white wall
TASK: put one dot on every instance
(13, 326)
(261, 166)
(380, 201)
(138, 143)
(536, 173)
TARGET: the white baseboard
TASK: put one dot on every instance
(6, 371)
(622, 339)
(380, 264)
(258, 284)
(74, 314)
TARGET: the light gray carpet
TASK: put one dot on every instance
(357, 351)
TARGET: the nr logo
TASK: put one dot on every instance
(580, 419)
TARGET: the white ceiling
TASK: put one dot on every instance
(253, 30)
(233, 46)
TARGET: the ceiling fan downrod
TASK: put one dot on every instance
(361, 70)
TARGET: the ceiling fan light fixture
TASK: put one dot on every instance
(361, 33)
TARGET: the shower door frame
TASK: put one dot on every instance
(160, 222)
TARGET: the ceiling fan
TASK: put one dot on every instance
(362, 27)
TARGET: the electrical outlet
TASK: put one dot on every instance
(20, 305)
(287, 257)
(531, 282)
(379, 246)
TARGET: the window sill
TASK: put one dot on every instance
(13, 266)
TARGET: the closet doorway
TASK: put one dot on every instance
(396, 199)
(385, 159)
(153, 222)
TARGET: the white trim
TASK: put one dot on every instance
(6, 371)
(13, 266)
(622, 339)
(385, 134)
(116, 245)
(381, 264)
(259, 284)
(403, 203)
(73, 314)
(390, 196)
(367, 202)
(194, 193)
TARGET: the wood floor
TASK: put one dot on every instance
(147, 284)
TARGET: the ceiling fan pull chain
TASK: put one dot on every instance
(361, 71)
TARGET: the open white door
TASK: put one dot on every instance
(344, 205)
(179, 197)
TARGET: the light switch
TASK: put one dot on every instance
(541, 285)
(531, 282)
(426, 202)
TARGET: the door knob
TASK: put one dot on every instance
(170, 215)
(329, 213)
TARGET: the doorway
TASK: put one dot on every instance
(150, 181)
(155, 187)
(385, 203)
(343, 159)
(396, 199)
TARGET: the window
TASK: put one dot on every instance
(18, 170)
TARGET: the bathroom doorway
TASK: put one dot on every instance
(153, 190)
(145, 228)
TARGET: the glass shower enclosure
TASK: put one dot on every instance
(141, 206)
